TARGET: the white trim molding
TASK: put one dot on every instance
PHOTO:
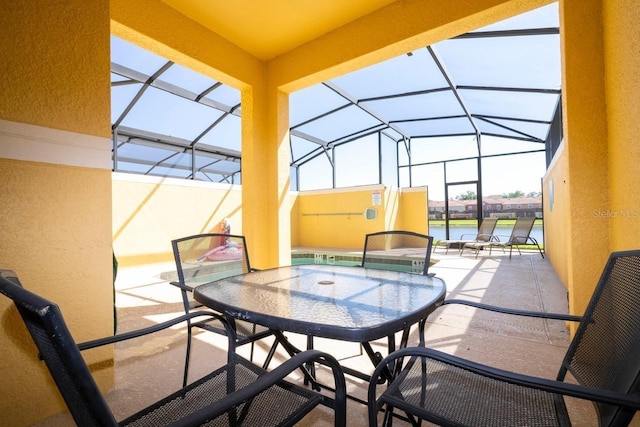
(21, 141)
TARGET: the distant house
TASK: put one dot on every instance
(457, 209)
(492, 207)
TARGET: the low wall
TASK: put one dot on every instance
(148, 212)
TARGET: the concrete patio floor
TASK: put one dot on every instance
(149, 368)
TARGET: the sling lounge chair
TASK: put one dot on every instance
(520, 235)
(485, 234)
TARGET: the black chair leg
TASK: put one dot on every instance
(186, 362)
(272, 352)
(252, 343)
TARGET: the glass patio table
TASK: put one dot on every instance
(337, 302)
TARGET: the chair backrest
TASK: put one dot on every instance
(60, 353)
(605, 351)
(485, 231)
(521, 230)
(202, 258)
(397, 250)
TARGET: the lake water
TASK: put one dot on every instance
(503, 231)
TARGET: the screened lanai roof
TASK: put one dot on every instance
(501, 81)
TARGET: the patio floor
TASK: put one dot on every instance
(151, 367)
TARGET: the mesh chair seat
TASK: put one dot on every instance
(461, 397)
(292, 402)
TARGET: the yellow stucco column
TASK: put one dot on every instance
(55, 181)
(266, 210)
(621, 19)
(585, 133)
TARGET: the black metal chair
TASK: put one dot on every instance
(238, 393)
(603, 358)
(398, 250)
(202, 258)
(395, 250)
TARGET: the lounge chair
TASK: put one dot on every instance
(485, 234)
(602, 362)
(520, 235)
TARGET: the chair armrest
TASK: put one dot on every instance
(467, 234)
(552, 386)
(533, 240)
(500, 238)
(521, 239)
(488, 238)
(158, 327)
(271, 378)
(538, 314)
(182, 286)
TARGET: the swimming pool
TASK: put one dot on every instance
(325, 258)
(382, 263)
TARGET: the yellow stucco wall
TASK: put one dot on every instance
(53, 237)
(334, 218)
(145, 217)
(414, 211)
(557, 236)
(295, 218)
(622, 61)
(149, 212)
(585, 133)
(56, 65)
(596, 174)
(55, 180)
(390, 205)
